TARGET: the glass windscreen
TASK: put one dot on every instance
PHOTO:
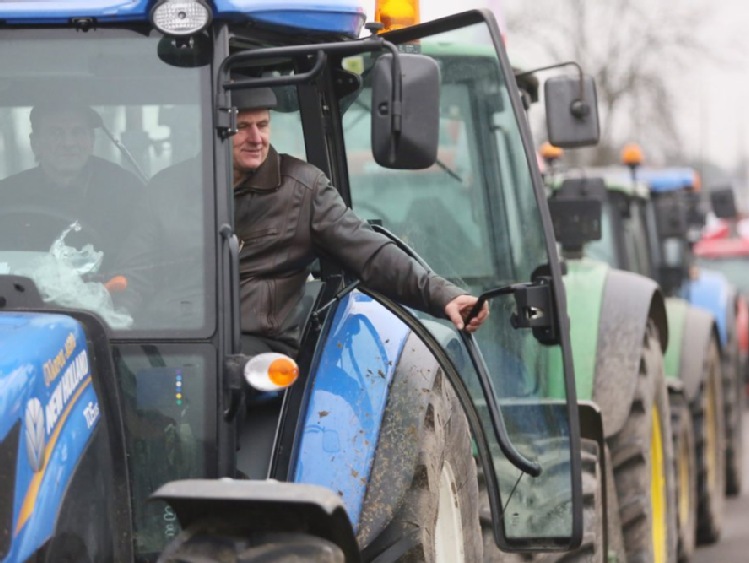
(169, 428)
(474, 218)
(604, 249)
(101, 177)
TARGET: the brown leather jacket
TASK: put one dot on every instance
(286, 214)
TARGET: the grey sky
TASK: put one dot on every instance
(713, 96)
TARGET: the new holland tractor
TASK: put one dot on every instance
(136, 430)
(692, 358)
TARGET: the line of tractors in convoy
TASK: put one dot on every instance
(595, 416)
(630, 237)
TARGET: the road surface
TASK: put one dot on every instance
(733, 546)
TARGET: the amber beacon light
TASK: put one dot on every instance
(397, 14)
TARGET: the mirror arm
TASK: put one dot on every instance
(580, 108)
(513, 455)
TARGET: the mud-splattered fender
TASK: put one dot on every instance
(629, 301)
(398, 447)
(348, 399)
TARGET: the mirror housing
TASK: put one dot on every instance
(576, 211)
(415, 146)
(571, 111)
(186, 52)
(671, 216)
(723, 202)
(696, 212)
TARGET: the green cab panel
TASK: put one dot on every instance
(676, 309)
(583, 284)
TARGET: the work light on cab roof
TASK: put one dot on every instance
(181, 17)
(397, 14)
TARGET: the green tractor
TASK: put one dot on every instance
(619, 333)
(474, 217)
(619, 245)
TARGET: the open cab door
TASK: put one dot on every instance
(479, 218)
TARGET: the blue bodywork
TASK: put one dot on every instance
(711, 291)
(344, 17)
(352, 377)
(46, 388)
(667, 179)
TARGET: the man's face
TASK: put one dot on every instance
(63, 142)
(251, 140)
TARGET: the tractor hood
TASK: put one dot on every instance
(48, 411)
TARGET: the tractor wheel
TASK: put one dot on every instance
(438, 519)
(686, 474)
(733, 395)
(710, 449)
(642, 460)
(592, 547)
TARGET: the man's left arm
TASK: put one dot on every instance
(338, 232)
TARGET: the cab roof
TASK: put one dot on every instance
(722, 241)
(722, 248)
(667, 179)
(343, 17)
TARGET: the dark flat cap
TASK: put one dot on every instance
(253, 98)
(50, 107)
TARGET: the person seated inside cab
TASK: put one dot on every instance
(68, 184)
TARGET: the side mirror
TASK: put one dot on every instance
(576, 211)
(723, 202)
(571, 111)
(695, 209)
(415, 145)
(671, 216)
(186, 52)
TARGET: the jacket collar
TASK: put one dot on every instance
(266, 178)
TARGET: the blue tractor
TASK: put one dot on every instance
(136, 430)
(676, 197)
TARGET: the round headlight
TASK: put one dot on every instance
(181, 17)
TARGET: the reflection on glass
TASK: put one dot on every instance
(474, 219)
(98, 131)
(164, 406)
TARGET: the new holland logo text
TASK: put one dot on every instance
(75, 373)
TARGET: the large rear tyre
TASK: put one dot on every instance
(438, 519)
(591, 550)
(642, 459)
(733, 394)
(686, 474)
(710, 448)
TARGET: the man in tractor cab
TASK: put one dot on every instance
(286, 214)
(68, 184)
